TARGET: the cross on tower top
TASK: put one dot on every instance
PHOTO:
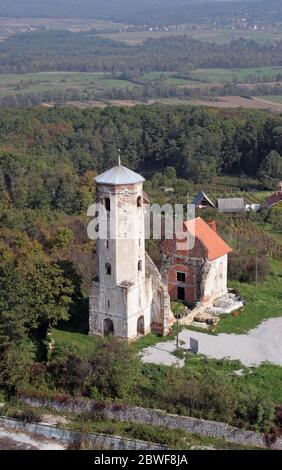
(119, 159)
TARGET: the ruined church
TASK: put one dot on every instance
(128, 297)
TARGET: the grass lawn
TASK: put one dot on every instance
(85, 344)
(74, 332)
(267, 378)
(262, 302)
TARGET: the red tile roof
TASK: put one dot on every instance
(215, 246)
(274, 199)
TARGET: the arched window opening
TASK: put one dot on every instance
(140, 265)
(107, 243)
(108, 304)
(140, 326)
(108, 269)
(107, 204)
(108, 327)
(139, 201)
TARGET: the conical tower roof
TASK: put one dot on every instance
(119, 175)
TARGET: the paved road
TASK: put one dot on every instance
(262, 344)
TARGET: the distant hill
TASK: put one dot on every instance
(147, 11)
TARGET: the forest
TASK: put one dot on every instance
(41, 148)
(87, 52)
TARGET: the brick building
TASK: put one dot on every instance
(196, 269)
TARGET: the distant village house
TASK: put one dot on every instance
(234, 205)
(274, 198)
(201, 201)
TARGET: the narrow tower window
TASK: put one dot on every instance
(139, 201)
(108, 269)
(140, 265)
(107, 204)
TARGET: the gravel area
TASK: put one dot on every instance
(262, 344)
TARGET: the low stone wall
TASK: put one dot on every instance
(152, 417)
(98, 441)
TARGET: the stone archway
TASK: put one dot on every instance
(108, 327)
(140, 326)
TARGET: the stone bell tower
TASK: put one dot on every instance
(121, 296)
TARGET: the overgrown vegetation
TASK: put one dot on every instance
(114, 374)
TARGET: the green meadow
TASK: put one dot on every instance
(13, 84)
(219, 75)
(274, 98)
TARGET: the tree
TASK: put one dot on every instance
(63, 238)
(47, 293)
(270, 169)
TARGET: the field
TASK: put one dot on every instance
(273, 98)
(121, 32)
(10, 26)
(220, 36)
(236, 102)
(241, 75)
(14, 84)
(83, 87)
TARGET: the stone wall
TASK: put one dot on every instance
(152, 417)
(161, 315)
(98, 441)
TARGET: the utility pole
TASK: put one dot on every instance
(256, 272)
(177, 332)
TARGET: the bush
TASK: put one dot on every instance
(243, 267)
(109, 373)
(26, 414)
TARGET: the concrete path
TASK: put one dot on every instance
(262, 344)
(12, 440)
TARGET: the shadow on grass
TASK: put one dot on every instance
(79, 319)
